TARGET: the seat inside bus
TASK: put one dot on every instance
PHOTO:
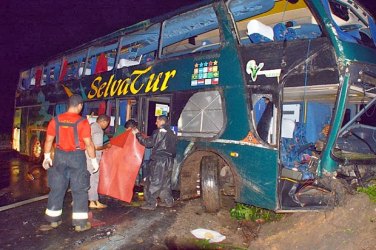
(303, 126)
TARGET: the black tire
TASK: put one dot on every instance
(210, 191)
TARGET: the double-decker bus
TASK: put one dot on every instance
(272, 100)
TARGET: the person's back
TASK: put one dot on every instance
(68, 168)
(65, 136)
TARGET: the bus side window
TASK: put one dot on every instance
(191, 32)
(139, 47)
(264, 111)
(280, 21)
(102, 57)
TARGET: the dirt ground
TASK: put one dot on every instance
(351, 226)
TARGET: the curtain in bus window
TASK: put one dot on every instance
(56, 72)
(38, 77)
(64, 70)
(123, 112)
(101, 64)
(102, 108)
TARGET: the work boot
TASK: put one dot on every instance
(147, 206)
(82, 228)
(165, 204)
(96, 205)
(51, 226)
(55, 224)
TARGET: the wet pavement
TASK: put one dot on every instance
(20, 180)
(120, 226)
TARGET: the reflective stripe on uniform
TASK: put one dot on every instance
(53, 213)
(80, 216)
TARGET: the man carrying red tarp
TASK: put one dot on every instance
(120, 165)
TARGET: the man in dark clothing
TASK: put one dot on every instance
(158, 182)
(73, 136)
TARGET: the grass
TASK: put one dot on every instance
(370, 191)
(245, 212)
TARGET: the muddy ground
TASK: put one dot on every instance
(351, 226)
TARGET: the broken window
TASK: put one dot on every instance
(202, 116)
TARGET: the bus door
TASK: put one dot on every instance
(152, 108)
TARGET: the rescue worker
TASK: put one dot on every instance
(73, 136)
(97, 128)
(158, 182)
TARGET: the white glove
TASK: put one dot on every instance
(95, 164)
(47, 162)
(135, 131)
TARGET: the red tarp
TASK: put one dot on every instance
(119, 166)
(101, 64)
(64, 69)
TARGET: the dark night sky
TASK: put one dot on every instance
(34, 30)
(31, 31)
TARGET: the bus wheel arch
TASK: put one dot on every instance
(214, 167)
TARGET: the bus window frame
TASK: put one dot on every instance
(343, 35)
(194, 50)
(224, 112)
(126, 36)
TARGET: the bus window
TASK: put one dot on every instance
(95, 108)
(264, 112)
(51, 72)
(202, 115)
(102, 57)
(357, 138)
(24, 82)
(191, 32)
(139, 47)
(71, 66)
(127, 110)
(269, 21)
(352, 23)
(36, 76)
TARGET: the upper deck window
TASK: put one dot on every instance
(352, 22)
(102, 57)
(139, 47)
(267, 21)
(191, 32)
(51, 72)
(72, 66)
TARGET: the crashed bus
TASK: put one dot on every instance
(272, 101)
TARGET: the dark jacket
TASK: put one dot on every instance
(162, 141)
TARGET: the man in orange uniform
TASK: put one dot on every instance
(73, 136)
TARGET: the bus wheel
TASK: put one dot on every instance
(36, 150)
(210, 193)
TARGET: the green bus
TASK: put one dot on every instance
(272, 100)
